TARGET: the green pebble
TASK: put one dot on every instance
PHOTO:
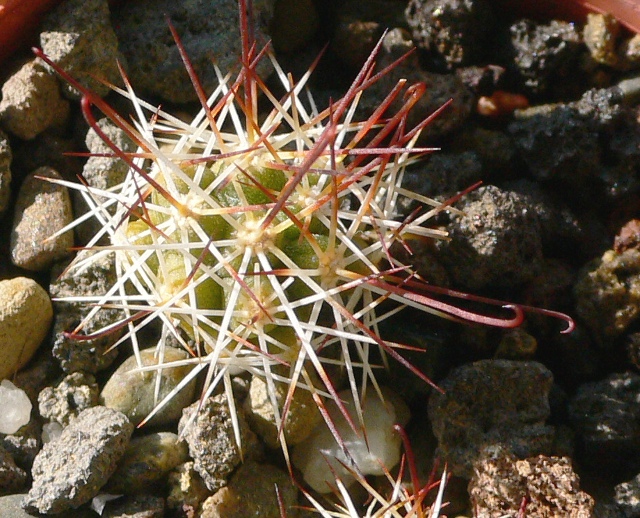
(146, 461)
(132, 393)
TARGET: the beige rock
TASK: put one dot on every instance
(607, 292)
(600, 36)
(302, 415)
(187, 490)
(25, 316)
(501, 482)
(252, 492)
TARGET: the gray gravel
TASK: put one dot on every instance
(89, 355)
(63, 402)
(495, 241)
(70, 470)
(155, 66)
(31, 101)
(42, 209)
(211, 440)
(12, 477)
(606, 415)
(440, 88)
(78, 36)
(453, 33)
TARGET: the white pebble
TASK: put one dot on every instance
(99, 502)
(51, 431)
(16, 408)
(313, 455)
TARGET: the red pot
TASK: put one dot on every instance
(19, 21)
(626, 11)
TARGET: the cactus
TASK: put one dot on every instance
(267, 247)
(264, 244)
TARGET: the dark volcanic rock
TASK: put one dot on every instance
(494, 242)
(452, 32)
(606, 416)
(492, 403)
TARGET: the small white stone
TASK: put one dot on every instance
(16, 408)
(51, 431)
(313, 455)
(99, 502)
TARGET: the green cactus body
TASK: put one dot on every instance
(220, 206)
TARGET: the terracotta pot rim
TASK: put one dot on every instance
(627, 12)
(19, 20)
